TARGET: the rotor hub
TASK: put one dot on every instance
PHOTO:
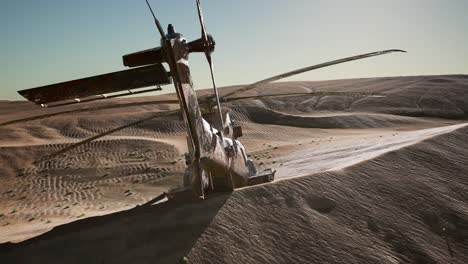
(199, 45)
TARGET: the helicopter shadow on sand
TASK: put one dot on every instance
(164, 232)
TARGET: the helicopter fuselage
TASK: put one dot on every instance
(216, 159)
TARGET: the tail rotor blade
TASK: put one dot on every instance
(310, 68)
(208, 42)
(208, 51)
(202, 23)
(218, 104)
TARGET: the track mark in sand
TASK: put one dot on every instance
(73, 182)
(321, 204)
(404, 245)
(107, 133)
(332, 157)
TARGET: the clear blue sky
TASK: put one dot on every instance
(50, 41)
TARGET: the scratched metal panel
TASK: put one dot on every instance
(101, 84)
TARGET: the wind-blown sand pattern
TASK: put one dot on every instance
(359, 179)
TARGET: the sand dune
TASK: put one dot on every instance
(389, 209)
(360, 179)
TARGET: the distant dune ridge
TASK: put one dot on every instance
(360, 179)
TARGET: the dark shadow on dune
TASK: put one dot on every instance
(440, 80)
(161, 233)
(448, 223)
(406, 249)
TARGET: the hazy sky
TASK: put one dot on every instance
(50, 41)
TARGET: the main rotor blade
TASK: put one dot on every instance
(156, 21)
(218, 104)
(310, 68)
(87, 110)
(112, 82)
(210, 62)
(159, 114)
(355, 94)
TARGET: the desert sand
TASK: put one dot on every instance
(359, 179)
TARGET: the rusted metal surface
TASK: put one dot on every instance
(101, 84)
(210, 165)
(176, 52)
